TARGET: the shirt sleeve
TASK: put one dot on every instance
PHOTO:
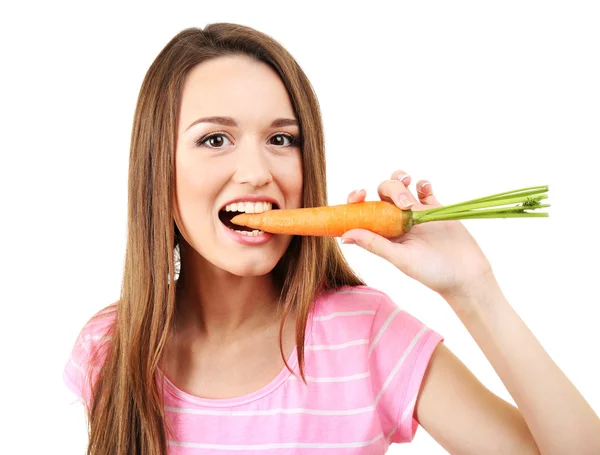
(400, 349)
(87, 355)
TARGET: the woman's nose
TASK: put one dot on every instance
(252, 166)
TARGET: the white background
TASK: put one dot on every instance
(478, 97)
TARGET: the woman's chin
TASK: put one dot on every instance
(251, 267)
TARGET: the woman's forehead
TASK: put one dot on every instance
(250, 93)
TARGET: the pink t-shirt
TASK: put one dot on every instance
(365, 361)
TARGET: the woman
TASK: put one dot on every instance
(203, 359)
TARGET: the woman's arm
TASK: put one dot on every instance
(453, 406)
(465, 417)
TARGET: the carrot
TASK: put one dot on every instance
(331, 221)
(387, 219)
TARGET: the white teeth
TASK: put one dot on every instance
(249, 207)
(253, 233)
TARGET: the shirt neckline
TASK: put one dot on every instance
(279, 380)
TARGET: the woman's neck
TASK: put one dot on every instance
(224, 307)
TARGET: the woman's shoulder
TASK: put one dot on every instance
(367, 311)
(101, 321)
(89, 350)
(384, 343)
(96, 333)
(359, 299)
(354, 311)
(97, 329)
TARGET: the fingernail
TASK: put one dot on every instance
(425, 184)
(348, 241)
(401, 177)
(406, 202)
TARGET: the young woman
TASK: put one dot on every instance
(270, 343)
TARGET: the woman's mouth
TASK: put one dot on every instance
(226, 215)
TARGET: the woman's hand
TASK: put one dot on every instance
(440, 254)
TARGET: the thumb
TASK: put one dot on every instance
(374, 243)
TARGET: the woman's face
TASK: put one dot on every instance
(217, 163)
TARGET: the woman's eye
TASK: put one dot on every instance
(291, 139)
(214, 142)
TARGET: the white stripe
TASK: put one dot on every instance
(341, 412)
(389, 438)
(332, 379)
(97, 337)
(407, 412)
(343, 313)
(360, 292)
(323, 347)
(281, 445)
(80, 368)
(405, 354)
(84, 341)
(382, 329)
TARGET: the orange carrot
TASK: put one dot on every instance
(331, 221)
(386, 219)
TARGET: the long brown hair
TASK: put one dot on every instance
(126, 413)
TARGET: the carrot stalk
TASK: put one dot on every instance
(388, 220)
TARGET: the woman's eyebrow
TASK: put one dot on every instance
(228, 121)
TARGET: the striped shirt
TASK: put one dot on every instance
(365, 361)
